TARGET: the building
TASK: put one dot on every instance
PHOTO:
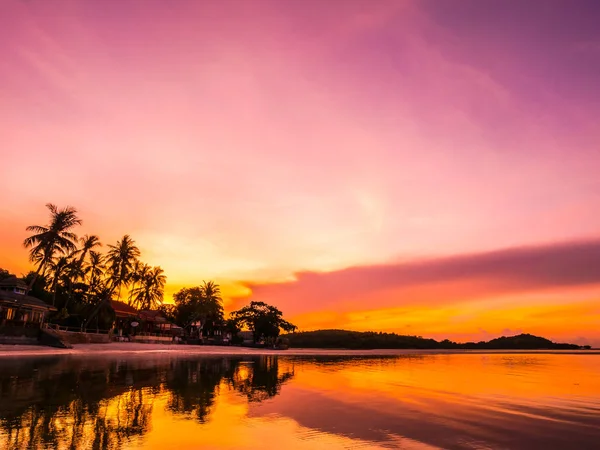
(18, 308)
(153, 322)
(126, 318)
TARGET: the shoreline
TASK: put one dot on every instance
(135, 349)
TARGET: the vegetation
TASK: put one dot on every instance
(52, 239)
(265, 321)
(72, 274)
(201, 304)
(372, 340)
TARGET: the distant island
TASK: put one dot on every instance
(343, 339)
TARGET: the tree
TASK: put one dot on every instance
(94, 272)
(149, 293)
(77, 272)
(58, 267)
(120, 260)
(56, 237)
(4, 274)
(201, 303)
(265, 321)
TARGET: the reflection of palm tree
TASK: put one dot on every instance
(110, 402)
(56, 237)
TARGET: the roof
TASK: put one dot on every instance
(24, 300)
(152, 316)
(13, 281)
(123, 309)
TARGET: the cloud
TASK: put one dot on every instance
(440, 281)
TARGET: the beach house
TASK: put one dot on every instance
(19, 308)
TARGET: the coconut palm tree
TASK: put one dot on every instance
(58, 267)
(138, 273)
(211, 292)
(121, 260)
(54, 238)
(94, 270)
(87, 244)
(149, 293)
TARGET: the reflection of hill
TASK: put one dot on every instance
(85, 403)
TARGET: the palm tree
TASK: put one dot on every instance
(58, 267)
(56, 237)
(211, 291)
(138, 273)
(94, 270)
(212, 296)
(150, 292)
(120, 261)
(88, 243)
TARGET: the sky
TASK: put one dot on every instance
(421, 167)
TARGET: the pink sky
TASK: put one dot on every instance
(248, 141)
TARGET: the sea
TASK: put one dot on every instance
(158, 401)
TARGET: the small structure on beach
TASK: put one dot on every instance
(125, 316)
(19, 308)
(153, 322)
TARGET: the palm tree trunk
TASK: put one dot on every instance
(35, 276)
(131, 293)
(73, 279)
(105, 300)
(54, 295)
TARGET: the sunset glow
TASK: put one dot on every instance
(421, 167)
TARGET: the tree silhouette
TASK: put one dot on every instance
(265, 321)
(88, 243)
(54, 238)
(58, 267)
(149, 292)
(120, 261)
(201, 303)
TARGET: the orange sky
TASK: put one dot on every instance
(314, 154)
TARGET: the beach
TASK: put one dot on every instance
(127, 348)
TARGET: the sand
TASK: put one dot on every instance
(124, 349)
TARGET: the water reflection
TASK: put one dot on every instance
(85, 403)
(469, 401)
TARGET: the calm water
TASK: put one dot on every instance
(460, 401)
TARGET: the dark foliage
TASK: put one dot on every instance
(372, 340)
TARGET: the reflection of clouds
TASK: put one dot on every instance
(447, 401)
(416, 401)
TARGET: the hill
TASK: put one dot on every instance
(374, 340)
